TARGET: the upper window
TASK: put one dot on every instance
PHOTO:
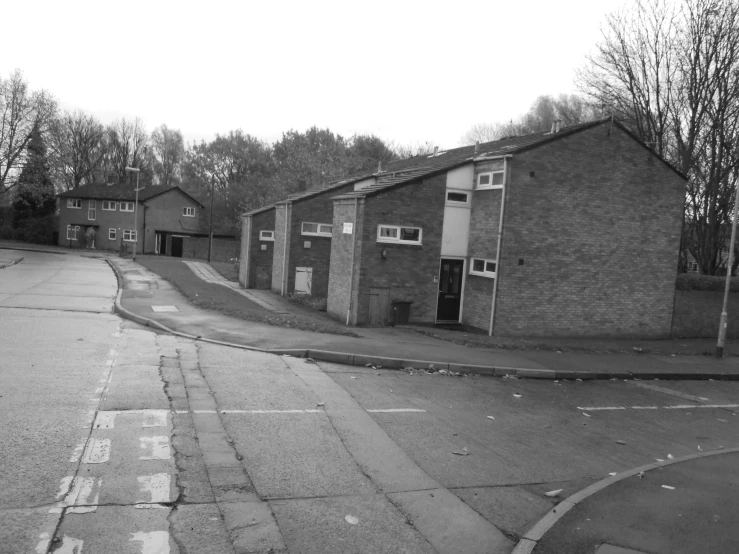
(317, 229)
(109, 205)
(75, 203)
(126, 206)
(491, 180)
(482, 267)
(398, 234)
(188, 212)
(456, 197)
(91, 210)
(267, 235)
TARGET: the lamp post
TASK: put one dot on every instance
(210, 220)
(724, 316)
(135, 170)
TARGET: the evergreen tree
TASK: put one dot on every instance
(35, 197)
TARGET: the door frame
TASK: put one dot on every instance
(461, 292)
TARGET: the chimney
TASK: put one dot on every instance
(436, 150)
(379, 166)
(557, 125)
(554, 127)
(477, 146)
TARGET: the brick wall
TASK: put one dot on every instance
(281, 213)
(597, 227)
(341, 268)
(256, 254)
(408, 271)
(697, 314)
(223, 249)
(104, 220)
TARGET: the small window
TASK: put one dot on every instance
(74, 203)
(129, 235)
(491, 180)
(126, 206)
(317, 229)
(398, 234)
(267, 235)
(482, 267)
(188, 212)
(91, 210)
(111, 234)
(109, 206)
(72, 231)
(455, 197)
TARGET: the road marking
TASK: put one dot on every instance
(155, 418)
(270, 411)
(165, 308)
(70, 546)
(87, 419)
(97, 451)
(43, 545)
(156, 542)
(157, 486)
(105, 420)
(75, 457)
(397, 411)
(677, 407)
(671, 392)
(80, 498)
(158, 446)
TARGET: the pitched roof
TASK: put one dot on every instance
(121, 191)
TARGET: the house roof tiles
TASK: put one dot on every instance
(120, 191)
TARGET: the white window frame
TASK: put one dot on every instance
(92, 210)
(188, 211)
(74, 203)
(72, 230)
(131, 234)
(267, 236)
(490, 186)
(485, 272)
(318, 233)
(111, 233)
(397, 239)
(457, 202)
(125, 205)
(107, 205)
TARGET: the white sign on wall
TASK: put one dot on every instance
(348, 228)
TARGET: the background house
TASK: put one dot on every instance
(104, 213)
(571, 232)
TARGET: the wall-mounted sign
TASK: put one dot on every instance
(348, 228)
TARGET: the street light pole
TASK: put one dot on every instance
(137, 171)
(724, 316)
(210, 220)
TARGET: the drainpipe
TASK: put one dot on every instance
(284, 251)
(500, 240)
(354, 247)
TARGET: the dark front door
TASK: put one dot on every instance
(177, 247)
(450, 290)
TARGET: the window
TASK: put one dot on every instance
(317, 229)
(109, 206)
(111, 234)
(75, 203)
(129, 235)
(456, 197)
(188, 212)
(91, 210)
(401, 235)
(481, 267)
(267, 235)
(491, 180)
(126, 206)
(72, 231)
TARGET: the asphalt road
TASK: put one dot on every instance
(116, 439)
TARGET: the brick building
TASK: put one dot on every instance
(573, 232)
(257, 248)
(105, 214)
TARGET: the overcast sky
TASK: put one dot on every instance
(406, 71)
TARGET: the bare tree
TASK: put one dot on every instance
(128, 144)
(671, 72)
(77, 148)
(21, 110)
(169, 151)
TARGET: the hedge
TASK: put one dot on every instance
(696, 281)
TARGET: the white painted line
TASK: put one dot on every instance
(157, 487)
(156, 542)
(75, 457)
(204, 411)
(271, 411)
(182, 411)
(157, 446)
(665, 390)
(155, 418)
(677, 407)
(70, 546)
(97, 451)
(87, 419)
(105, 420)
(43, 546)
(64, 486)
(80, 497)
(165, 308)
(397, 411)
